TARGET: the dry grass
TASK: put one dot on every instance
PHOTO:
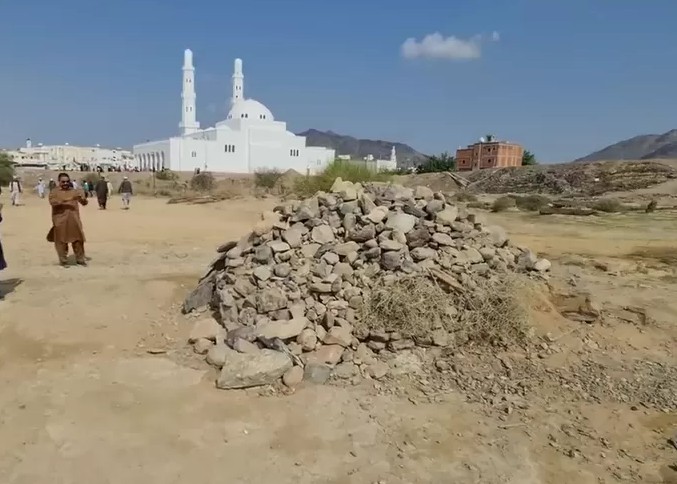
(664, 255)
(495, 312)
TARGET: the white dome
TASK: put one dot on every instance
(250, 109)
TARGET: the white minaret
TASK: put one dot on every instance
(188, 123)
(238, 82)
(393, 155)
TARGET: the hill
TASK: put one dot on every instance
(643, 147)
(359, 148)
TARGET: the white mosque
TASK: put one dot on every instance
(248, 140)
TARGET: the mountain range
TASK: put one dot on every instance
(643, 147)
(360, 148)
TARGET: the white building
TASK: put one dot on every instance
(70, 157)
(248, 140)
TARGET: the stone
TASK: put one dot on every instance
(322, 234)
(205, 328)
(366, 203)
(293, 377)
(542, 265)
(327, 354)
(443, 240)
(330, 258)
(245, 370)
(309, 250)
(362, 234)
(346, 370)
(202, 346)
(378, 369)
(200, 296)
(391, 245)
(488, 253)
(527, 260)
(307, 339)
(263, 254)
(270, 299)
(401, 221)
(282, 270)
(243, 346)
(423, 253)
(317, 373)
(440, 337)
(216, 356)
(473, 255)
(290, 328)
(497, 235)
(434, 206)
(418, 237)
(338, 335)
(293, 237)
(421, 192)
(377, 214)
(279, 246)
(447, 216)
(262, 273)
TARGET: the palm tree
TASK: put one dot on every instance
(528, 158)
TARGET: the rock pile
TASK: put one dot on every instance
(287, 297)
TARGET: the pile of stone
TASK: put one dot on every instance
(286, 298)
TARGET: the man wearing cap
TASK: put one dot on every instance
(126, 191)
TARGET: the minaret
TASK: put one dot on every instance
(188, 123)
(238, 82)
(393, 155)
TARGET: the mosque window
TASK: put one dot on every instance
(193, 154)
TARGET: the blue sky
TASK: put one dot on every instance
(563, 77)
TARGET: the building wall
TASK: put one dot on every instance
(495, 154)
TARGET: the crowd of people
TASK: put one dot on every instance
(65, 197)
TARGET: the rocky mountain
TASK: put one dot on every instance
(641, 147)
(359, 148)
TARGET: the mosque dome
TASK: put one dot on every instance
(250, 109)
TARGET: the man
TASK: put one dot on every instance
(15, 191)
(110, 189)
(40, 187)
(66, 224)
(3, 264)
(52, 184)
(126, 191)
(101, 189)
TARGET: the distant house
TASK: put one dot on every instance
(489, 154)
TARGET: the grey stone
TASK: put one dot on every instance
(262, 273)
(309, 250)
(307, 339)
(377, 214)
(244, 370)
(348, 207)
(338, 335)
(391, 245)
(279, 246)
(418, 237)
(322, 234)
(366, 203)
(282, 270)
(378, 370)
(447, 216)
(317, 373)
(363, 234)
(270, 299)
(263, 254)
(423, 253)
(346, 370)
(202, 346)
(346, 248)
(434, 206)
(391, 260)
(421, 192)
(281, 329)
(542, 265)
(330, 258)
(401, 221)
(327, 354)
(473, 255)
(205, 328)
(443, 239)
(293, 376)
(243, 346)
(216, 356)
(497, 235)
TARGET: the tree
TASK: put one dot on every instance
(6, 169)
(528, 158)
(438, 163)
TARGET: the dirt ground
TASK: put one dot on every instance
(99, 386)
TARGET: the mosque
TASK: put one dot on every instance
(248, 140)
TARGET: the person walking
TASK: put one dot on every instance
(109, 185)
(127, 191)
(66, 224)
(101, 189)
(15, 191)
(52, 184)
(3, 264)
(40, 187)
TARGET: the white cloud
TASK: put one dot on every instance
(436, 46)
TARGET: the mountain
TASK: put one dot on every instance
(359, 148)
(641, 147)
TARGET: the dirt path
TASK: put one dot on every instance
(84, 402)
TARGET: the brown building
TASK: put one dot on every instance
(489, 154)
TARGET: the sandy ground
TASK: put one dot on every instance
(84, 401)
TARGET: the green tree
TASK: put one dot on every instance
(437, 163)
(6, 169)
(528, 158)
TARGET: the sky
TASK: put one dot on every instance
(561, 77)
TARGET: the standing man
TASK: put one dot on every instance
(66, 223)
(40, 187)
(109, 185)
(52, 184)
(126, 191)
(101, 189)
(15, 191)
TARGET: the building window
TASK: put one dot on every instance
(229, 148)
(193, 154)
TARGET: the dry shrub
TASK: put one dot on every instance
(608, 205)
(464, 196)
(531, 203)
(494, 312)
(664, 255)
(167, 175)
(202, 182)
(266, 178)
(503, 203)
